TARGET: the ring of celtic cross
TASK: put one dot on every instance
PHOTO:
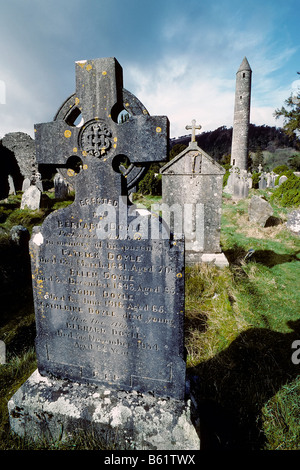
(96, 138)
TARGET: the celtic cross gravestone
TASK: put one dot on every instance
(109, 299)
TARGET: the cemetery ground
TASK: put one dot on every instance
(241, 323)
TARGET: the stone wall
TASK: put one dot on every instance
(22, 147)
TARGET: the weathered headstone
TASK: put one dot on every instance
(262, 181)
(249, 180)
(293, 222)
(61, 187)
(237, 183)
(274, 176)
(31, 198)
(11, 185)
(282, 179)
(192, 184)
(233, 175)
(259, 210)
(269, 180)
(36, 180)
(26, 184)
(241, 185)
(109, 298)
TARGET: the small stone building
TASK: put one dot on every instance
(192, 185)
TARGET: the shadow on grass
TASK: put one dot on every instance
(17, 325)
(268, 258)
(231, 388)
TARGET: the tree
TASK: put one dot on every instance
(225, 160)
(294, 162)
(176, 150)
(291, 114)
(151, 183)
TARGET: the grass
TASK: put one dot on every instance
(17, 320)
(12, 375)
(281, 417)
(240, 324)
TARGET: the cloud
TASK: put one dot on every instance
(2, 92)
(178, 90)
(179, 60)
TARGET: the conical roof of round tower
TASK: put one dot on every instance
(244, 65)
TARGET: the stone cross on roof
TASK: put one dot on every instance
(193, 127)
(101, 141)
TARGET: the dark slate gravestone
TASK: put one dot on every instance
(109, 299)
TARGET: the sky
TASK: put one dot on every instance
(179, 57)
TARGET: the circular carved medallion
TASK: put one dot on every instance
(69, 112)
(96, 138)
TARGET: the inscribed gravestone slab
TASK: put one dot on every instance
(109, 309)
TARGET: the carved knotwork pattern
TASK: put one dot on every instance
(96, 139)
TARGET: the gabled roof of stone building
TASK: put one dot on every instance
(218, 169)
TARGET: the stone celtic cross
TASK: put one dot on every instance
(193, 127)
(101, 140)
(109, 306)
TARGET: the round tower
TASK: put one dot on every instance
(239, 147)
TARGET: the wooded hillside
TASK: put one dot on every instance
(217, 143)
